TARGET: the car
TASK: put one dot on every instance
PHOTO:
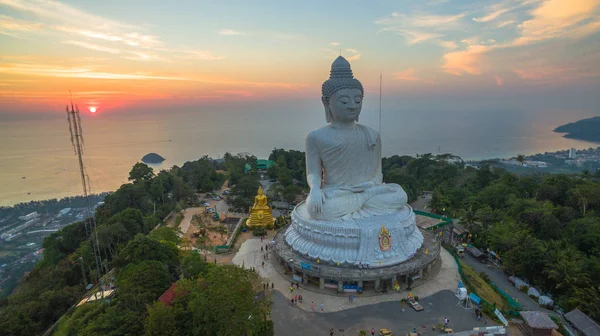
(217, 198)
(205, 204)
(210, 210)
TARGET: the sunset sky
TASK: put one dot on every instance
(117, 54)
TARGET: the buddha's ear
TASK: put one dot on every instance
(327, 110)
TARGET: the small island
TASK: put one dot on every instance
(585, 129)
(152, 158)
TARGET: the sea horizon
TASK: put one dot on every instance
(40, 163)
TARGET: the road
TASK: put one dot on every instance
(293, 321)
(420, 203)
(222, 208)
(501, 280)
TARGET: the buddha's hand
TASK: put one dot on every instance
(315, 200)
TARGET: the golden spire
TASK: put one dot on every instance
(384, 231)
(260, 191)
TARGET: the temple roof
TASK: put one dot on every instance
(260, 164)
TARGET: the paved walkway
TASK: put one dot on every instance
(249, 255)
(292, 321)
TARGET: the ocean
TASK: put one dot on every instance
(37, 160)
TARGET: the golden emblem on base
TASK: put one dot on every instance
(385, 240)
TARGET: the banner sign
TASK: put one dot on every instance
(305, 266)
(501, 317)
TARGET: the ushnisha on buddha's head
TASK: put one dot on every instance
(342, 94)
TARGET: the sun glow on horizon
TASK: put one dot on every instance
(93, 109)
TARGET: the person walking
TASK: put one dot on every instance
(446, 321)
(300, 298)
(312, 305)
(292, 301)
(330, 331)
(322, 306)
(263, 264)
(261, 248)
(372, 331)
(272, 285)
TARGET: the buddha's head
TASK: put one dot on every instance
(342, 93)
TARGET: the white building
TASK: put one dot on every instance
(572, 153)
(64, 211)
(29, 216)
(13, 236)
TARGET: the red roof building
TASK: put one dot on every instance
(169, 296)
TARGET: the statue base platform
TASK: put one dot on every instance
(358, 242)
(252, 226)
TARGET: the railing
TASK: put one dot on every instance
(515, 306)
(443, 219)
(231, 241)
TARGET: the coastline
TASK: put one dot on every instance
(75, 184)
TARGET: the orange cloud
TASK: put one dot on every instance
(409, 76)
(499, 81)
(93, 46)
(557, 19)
(538, 73)
(9, 23)
(448, 44)
(469, 61)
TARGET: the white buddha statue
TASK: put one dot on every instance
(343, 158)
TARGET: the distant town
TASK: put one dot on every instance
(565, 161)
(24, 227)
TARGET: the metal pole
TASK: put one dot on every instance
(380, 85)
(85, 282)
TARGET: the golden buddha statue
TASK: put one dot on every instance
(260, 212)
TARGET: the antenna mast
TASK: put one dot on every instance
(380, 84)
(89, 222)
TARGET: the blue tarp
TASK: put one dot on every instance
(474, 298)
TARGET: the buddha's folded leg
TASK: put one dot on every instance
(386, 198)
(339, 203)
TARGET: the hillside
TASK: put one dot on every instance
(585, 129)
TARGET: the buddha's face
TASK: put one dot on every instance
(345, 105)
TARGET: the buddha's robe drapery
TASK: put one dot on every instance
(352, 178)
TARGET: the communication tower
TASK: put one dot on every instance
(89, 222)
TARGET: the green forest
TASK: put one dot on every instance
(545, 228)
(144, 261)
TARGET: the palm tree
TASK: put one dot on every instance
(521, 159)
(585, 174)
(567, 267)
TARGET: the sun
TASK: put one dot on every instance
(93, 109)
